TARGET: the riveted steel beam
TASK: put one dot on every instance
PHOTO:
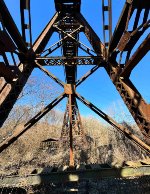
(107, 23)
(22, 129)
(50, 75)
(137, 106)
(12, 28)
(136, 57)
(25, 5)
(77, 60)
(45, 35)
(88, 74)
(91, 35)
(120, 27)
(26, 67)
(112, 122)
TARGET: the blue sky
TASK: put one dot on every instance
(98, 88)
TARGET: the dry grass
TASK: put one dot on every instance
(105, 145)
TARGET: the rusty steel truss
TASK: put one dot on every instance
(68, 22)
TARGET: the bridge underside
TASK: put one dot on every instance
(68, 22)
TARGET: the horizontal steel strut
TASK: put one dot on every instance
(79, 173)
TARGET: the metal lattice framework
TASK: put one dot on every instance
(68, 22)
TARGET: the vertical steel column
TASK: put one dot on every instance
(26, 25)
(107, 25)
(71, 164)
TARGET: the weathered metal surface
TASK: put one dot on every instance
(91, 36)
(123, 41)
(78, 174)
(89, 73)
(45, 35)
(69, 88)
(2, 83)
(133, 100)
(120, 27)
(26, 66)
(4, 92)
(69, 22)
(11, 27)
(22, 129)
(112, 122)
(136, 58)
(6, 44)
(72, 133)
(131, 96)
(58, 61)
(50, 74)
(26, 26)
(107, 25)
(7, 72)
